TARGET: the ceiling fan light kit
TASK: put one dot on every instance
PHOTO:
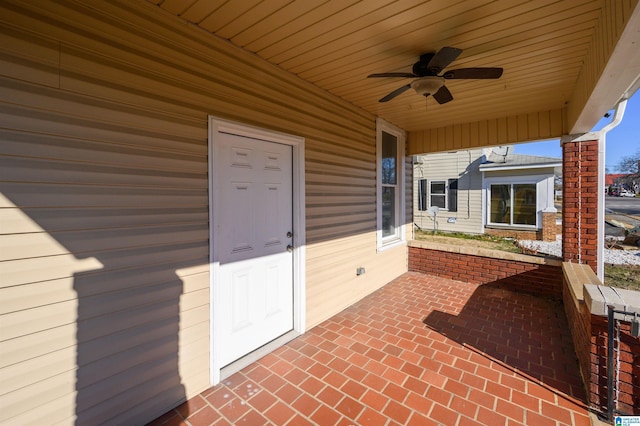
(427, 85)
(428, 82)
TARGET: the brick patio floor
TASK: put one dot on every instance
(421, 351)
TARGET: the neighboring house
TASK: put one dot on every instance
(173, 173)
(452, 182)
(485, 190)
(612, 178)
(614, 183)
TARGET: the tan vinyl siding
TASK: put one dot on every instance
(502, 131)
(334, 265)
(104, 243)
(461, 165)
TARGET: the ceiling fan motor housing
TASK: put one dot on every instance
(427, 85)
(420, 69)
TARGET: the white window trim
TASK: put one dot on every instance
(512, 181)
(399, 238)
(446, 193)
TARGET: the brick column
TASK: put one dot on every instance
(549, 224)
(580, 202)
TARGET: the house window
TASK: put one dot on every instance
(390, 153)
(443, 194)
(513, 204)
(438, 193)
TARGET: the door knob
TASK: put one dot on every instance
(289, 248)
(289, 234)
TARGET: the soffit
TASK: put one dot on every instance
(334, 44)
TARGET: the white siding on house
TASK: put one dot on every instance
(461, 165)
(103, 201)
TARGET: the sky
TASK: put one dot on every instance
(622, 141)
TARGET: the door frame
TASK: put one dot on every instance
(219, 126)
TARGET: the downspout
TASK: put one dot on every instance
(469, 188)
(602, 133)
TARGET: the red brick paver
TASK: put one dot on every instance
(422, 350)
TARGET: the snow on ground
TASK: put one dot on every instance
(554, 248)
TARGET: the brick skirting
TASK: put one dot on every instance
(528, 274)
(589, 333)
(546, 278)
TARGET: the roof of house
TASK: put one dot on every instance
(511, 161)
(609, 179)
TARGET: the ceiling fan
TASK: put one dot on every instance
(428, 82)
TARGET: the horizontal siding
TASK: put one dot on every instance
(462, 165)
(104, 204)
(333, 265)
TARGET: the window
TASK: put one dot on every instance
(438, 193)
(390, 153)
(513, 204)
(443, 194)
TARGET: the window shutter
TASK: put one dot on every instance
(422, 195)
(453, 195)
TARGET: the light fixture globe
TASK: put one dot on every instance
(427, 85)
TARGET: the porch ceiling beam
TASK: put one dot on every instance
(499, 131)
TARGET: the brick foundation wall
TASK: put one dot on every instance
(589, 333)
(534, 234)
(533, 278)
(628, 387)
(580, 202)
(548, 231)
(580, 328)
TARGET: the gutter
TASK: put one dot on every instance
(490, 168)
(601, 136)
(617, 118)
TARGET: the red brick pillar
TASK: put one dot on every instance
(549, 225)
(580, 202)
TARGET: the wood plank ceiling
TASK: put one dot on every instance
(335, 44)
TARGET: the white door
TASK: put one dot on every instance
(254, 228)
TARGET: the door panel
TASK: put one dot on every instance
(254, 208)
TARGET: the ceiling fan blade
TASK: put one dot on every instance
(475, 73)
(443, 58)
(395, 93)
(443, 95)
(392, 74)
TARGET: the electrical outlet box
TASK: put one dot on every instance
(360, 270)
(635, 326)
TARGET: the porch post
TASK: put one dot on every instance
(580, 202)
